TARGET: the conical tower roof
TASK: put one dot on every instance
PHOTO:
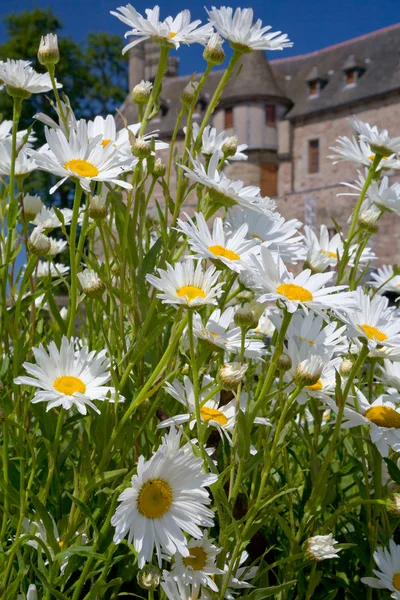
(255, 81)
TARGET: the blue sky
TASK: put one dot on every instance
(310, 24)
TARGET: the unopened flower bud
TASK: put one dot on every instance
(98, 207)
(368, 219)
(284, 362)
(38, 243)
(32, 592)
(230, 146)
(189, 93)
(159, 168)
(230, 375)
(309, 371)
(32, 206)
(245, 296)
(91, 283)
(393, 504)
(48, 53)
(244, 317)
(141, 148)
(149, 577)
(213, 52)
(185, 369)
(141, 92)
(346, 367)
(321, 547)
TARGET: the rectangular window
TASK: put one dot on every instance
(269, 179)
(350, 77)
(228, 118)
(270, 115)
(313, 156)
(312, 88)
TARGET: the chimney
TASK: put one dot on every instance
(143, 63)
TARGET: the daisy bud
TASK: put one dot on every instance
(321, 547)
(141, 148)
(32, 206)
(309, 371)
(159, 168)
(91, 283)
(2, 415)
(213, 52)
(48, 53)
(244, 317)
(149, 577)
(185, 369)
(189, 92)
(284, 362)
(98, 208)
(230, 146)
(245, 296)
(346, 367)
(32, 592)
(230, 375)
(141, 92)
(393, 504)
(368, 219)
(39, 244)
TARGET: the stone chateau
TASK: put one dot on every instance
(289, 112)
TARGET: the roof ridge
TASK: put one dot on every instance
(339, 44)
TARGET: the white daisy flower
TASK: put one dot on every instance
(360, 153)
(239, 580)
(57, 246)
(390, 373)
(91, 283)
(23, 163)
(68, 377)
(20, 78)
(187, 285)
(68, 113)
(166, 498)
(224, 190)
(218, 330)
(50, 269)
(79, 158)
(274, 282)
(49, 220)
(171, 32)
(388, 575)
(380, 280)
(244, 35)
(384, 197)
(215, 142)
(321, 547)
(382, 416)
(176, 589)
(272, 230)
(232, 249)
(265, 325)
(199, 568)
(328, 338)
(372, 320)
(5, 134)
(323, 252)
(380, 141)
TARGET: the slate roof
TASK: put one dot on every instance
(377, 53)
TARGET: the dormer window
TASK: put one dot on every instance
(315, 82)
(353, 69)
(270, 115)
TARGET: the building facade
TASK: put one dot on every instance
(289, 112)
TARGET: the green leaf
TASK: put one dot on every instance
(393, 469)
(270, 591)
(100, 480)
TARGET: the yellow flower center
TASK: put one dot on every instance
(105, 143)
(373, 333)
(316, 387)
(154, 499)
(212, 414)
(60, 543)
(197, 559)
(224, 252)
(190, 292)
(372, 157)
(384, 416)
(172, 34)
(69, 385)
(81, 167)
(330, 254)
(294, 292)
(396, 581)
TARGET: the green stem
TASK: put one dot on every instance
(73, 260)
(195, 378)
(53, 456)
(51, 70)
(162, 67)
